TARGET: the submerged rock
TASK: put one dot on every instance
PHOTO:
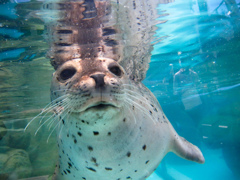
(17, 165)
(3, 159)
(43, 155)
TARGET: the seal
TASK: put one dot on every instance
(109, 125)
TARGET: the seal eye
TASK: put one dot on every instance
(67, 73)
(115, 70)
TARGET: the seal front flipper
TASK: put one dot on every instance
(187, 150)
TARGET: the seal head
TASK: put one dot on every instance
(89, 84)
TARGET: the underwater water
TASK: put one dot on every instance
(194, 73)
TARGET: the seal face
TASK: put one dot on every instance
(109, 125)
(88, 84)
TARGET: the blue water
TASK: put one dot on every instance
(194, 73)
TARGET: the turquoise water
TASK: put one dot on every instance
(194, 73)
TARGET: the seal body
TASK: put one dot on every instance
(109, 125)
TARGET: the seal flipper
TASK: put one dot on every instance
(187, 150)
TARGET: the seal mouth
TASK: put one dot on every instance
(101, 106)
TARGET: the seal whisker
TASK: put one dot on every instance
(75, 103)
(60, 108)
(50, 110)
(140, 108)
(64, 90)
(65, 108)
(43, 124)
(32, 120)
(47, 109)
(130, 85)
(52, 122)
(55, 101)
(51, 119)
(129, 108)
(59, 122)
(145, 101)
(136, 93)
(53, 108)
(57, 118)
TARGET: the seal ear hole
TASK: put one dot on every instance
(115, 69)
(67, 73)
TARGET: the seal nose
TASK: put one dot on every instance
(99, 79)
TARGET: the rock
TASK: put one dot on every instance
(43, 156)
(3, 159)
(17, 165)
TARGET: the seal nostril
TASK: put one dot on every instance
(99, 79)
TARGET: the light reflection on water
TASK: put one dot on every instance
(194, 73)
